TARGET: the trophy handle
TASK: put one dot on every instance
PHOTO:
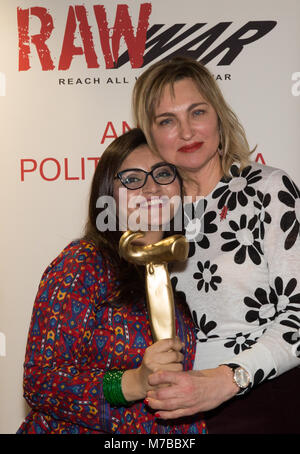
(170, 249)
(160, 301)
(159, 291)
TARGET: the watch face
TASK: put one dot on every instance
(241, 377)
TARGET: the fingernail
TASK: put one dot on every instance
(146, 401)
(157, 415)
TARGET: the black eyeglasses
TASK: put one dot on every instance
(137, 178)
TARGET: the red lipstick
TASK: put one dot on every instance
(191, 147)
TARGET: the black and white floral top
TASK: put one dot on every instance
(242, 278)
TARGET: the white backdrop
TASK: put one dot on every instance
(61, 104)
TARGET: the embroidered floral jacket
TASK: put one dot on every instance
(76, 334)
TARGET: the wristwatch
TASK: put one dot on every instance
(240, 377)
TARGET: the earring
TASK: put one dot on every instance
(220, 147)
(220, 151)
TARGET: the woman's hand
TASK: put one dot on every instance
(163, 355)
(190, 392)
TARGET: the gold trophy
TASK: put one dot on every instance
(159, 291)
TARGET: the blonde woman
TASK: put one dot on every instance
(242, 278)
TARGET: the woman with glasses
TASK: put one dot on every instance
(90, 349)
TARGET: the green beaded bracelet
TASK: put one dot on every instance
(112, 388)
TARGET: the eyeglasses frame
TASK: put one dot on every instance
(119, 175)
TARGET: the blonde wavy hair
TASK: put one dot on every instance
(148, 90)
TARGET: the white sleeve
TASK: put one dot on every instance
(278, 349)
